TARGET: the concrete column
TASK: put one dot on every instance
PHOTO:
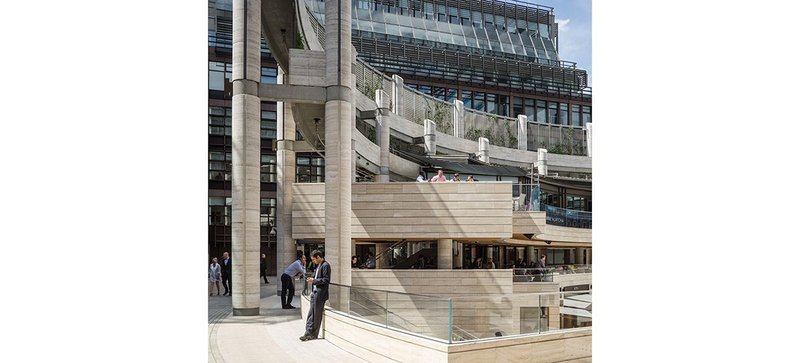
(444, 254)
(579, 253)
(541, 164)
(246, 139)
(530, 255)
(383, 261)
(338, 140)
(458, 118)
(397, 95)
(429, 136)
(502, 256)
(383, 129)
(458, 261)
(287, 169)
(483, 149)
(522, 132)
(588, 139)
(588, 256)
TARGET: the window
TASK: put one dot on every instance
(310, 169)
(268, 214)
(466, 96)
(479, 101)
(219, 211)
(529, 109)
(518, 109)
(541, 111)
(451, 94)
(269, 75)
(586, 112)
(491, 103)
(552, 112)
(439, 92)
(269, 168)
(576, 115)
(503, 105)
(269, 125)
(219, 121)
(216, 76)
(563, 114)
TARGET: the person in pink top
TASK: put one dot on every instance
(439, 178)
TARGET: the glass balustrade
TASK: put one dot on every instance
(464, 318)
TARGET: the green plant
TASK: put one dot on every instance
(300, 41)
(438, 112)
(512, 140)
(472, 134)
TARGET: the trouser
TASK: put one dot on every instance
(286, 284)
(264, 275)
(314, 319)
(226, 283)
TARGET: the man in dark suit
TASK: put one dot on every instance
(319, 294)
(226, 274)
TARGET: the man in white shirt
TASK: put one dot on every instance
(421, 177)
(439, 178)
(287, 279)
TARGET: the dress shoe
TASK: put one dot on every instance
(304, 337)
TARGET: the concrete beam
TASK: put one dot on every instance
(292, 94)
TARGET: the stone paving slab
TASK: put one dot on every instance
(271, 336)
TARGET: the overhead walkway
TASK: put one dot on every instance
(302, 46)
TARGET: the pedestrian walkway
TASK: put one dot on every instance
(272, 336)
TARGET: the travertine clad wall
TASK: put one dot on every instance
(411, 210)
(529, 222)
(483, 300)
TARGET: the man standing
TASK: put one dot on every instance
(226, 274)
(320, 281)
(287, 279)
(263, 267)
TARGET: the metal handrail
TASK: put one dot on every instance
(316, 24)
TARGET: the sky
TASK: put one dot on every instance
(574, 18)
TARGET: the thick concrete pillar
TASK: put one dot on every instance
(287, 169)
(458, 260)
(483, 149)
(383, 128)
(522, 132)
(502, 256)
(383, 260)
(338, 139)
(588, 139)
(530, 255)
(588, 256)
(429, 136)
(246, 139)
(541, 164)
(458, 118)
(397, 95)
(444, 254)
(580, 252)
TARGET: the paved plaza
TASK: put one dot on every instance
(271, 336)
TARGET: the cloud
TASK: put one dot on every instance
(563, 25)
